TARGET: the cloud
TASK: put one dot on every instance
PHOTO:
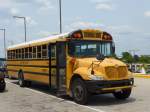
(147, 14)
(121, 29)
(44, 5)
(30, 22)
(82, 24)
(100, 1)
(104, 7)
(5, 3)
(14, 11)
(115, 30)
(43, 34)
(13, 3)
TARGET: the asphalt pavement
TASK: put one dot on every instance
(38, 98)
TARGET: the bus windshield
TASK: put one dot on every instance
(90, 48)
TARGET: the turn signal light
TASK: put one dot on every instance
(73, 60)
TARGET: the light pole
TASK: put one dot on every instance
(4, 31)
(60, 15)
(25, 28)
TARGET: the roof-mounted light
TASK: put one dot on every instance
(106, 36)
(77, 35)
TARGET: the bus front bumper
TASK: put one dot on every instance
(108, 86)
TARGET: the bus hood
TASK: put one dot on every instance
(107, 62)
(109, 68)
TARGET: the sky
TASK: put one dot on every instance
(128, 21)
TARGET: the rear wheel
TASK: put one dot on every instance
(21, 80)
(123, 94)
(79, 91)
(2, 85)
(28, 83)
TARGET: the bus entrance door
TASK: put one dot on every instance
(61, 66)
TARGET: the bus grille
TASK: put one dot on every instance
(122, 72)
(114, 73)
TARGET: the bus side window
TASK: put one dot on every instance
(53, 51)
(39, 52)
(44, 51)
(13, 54)
(26, 53)
(22, 53)
(8, 54)
(19, 54)
(34, 52)
(30, 52)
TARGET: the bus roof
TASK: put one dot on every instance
(99, 35)
(52, 38)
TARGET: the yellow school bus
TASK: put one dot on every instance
(78, 64)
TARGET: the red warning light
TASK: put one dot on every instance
(106, 36)
(77, 35)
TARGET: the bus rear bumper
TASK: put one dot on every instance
(108, 86)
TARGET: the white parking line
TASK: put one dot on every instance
(38, 92)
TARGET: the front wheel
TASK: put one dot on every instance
(123, 94)
(79, 91)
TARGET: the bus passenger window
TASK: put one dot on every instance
(13, 54)
(22, 53)
(19, 53)
(38, 51)
(53, 51)
(34, 52)
(44, 51)
(30, 52)
(9, 55)
(26, 53)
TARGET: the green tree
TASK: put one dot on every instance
(127, 57)
(144, 59)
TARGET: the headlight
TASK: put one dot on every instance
(95, 77)
(130, 76)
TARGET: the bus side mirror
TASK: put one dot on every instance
(100, 57)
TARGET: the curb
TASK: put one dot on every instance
(142, 76)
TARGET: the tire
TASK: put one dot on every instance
(28, 83)
(21, 80)
(122, 95)
(2, 85)
(79, 91)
